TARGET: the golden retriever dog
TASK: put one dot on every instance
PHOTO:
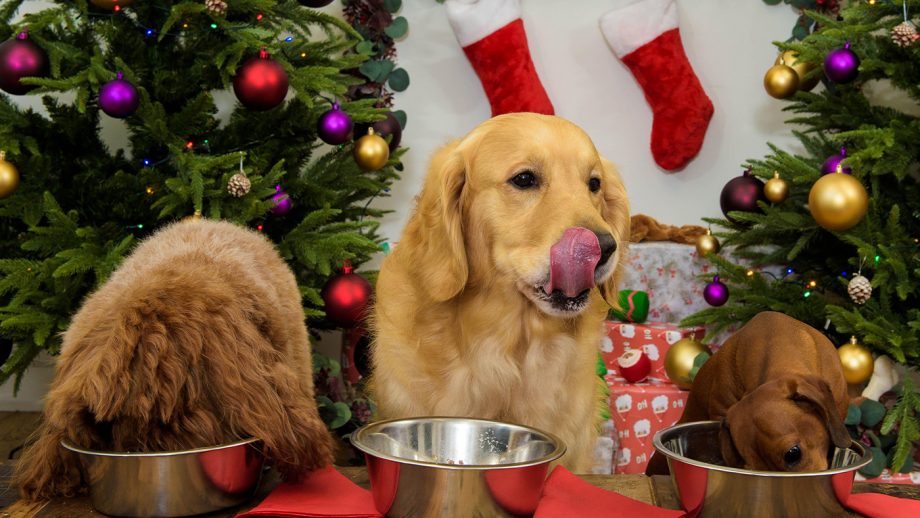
(491, 304)
(198, 339)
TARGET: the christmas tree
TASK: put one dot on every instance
(839, 219)
(226, 110)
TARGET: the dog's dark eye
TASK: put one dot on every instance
(524, 180)
(594, 184)
(793, 455)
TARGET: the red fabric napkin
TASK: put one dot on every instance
(324, 494)
(876, 505)
(566, 495)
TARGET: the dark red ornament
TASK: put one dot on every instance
(21, 58)
(260, 83)
(385, 127)
(742, 194)
(346, 297)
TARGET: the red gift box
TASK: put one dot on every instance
(639, 410)
(887, 477)
(653, 338)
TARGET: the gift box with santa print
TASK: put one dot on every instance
(652, 338)
(639, 410)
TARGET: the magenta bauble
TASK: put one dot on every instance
(21, 58)
(830, 165)
(742, 194)
(841, 65)
(716, 292)
(346, 298)
(260, 83)
(334, 127)
(283, 202)
(119, 98)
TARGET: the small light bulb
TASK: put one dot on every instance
(146, 162)
(289, 39)
(877, 258)
(213, 25)
(259, 17)
(149, 190)
(303, 54)
(189, 145)
(259, 227)
(789, 271)
(117, 8)
(812, 284)
(140, 226)
(149, 32)
(750, 273)
(807, 294)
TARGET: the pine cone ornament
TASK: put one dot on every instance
(218, 7)
(239, 185)
(904, 34)
(860, 289)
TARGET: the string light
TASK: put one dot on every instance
(789, 271)
(289, 39)
(259, 227)
(213, 25)
(189, 145)
(303, 54)
(813, 283)
(877, 258)
(750, 273)
(117, 8)
(807, 294)
(150, 190)
(259, 17)
(146, 162)
(185, 25)
(149, 32)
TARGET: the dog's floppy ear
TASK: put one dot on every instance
(730, 454)
(616, 214)
(435, 233)
(816, 393)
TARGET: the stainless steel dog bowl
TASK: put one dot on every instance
(176, 483)
(449, 466)
(706, 489)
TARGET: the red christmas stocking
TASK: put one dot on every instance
(492, 35)
(644, 35)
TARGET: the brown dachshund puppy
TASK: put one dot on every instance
(778, 387)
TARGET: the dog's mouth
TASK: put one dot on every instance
(560, 302)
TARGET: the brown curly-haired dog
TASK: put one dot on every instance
(198, 339)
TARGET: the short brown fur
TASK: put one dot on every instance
(775, 383)
(197, 340)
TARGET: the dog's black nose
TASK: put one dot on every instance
(608, 247)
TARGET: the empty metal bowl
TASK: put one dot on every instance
(451, 466)
(175, 483)
(707, 489)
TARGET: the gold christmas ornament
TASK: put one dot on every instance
(679, 360)
(801, 68)
(860, 289)
(857, 362)
(838, 201)
(776, 189)
(781, 81)
(193, 217)
(707, 244)
(904, 34)
(371, 151)
(9, 177)
(110, 4)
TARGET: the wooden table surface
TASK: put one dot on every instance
(656, 490)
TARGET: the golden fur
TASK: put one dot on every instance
(198, 339)
(457, 332)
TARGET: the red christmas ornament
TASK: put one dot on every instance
(634, 365)
(260, 83)
(346, 297)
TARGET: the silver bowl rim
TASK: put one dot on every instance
(357, 439)
(659, 446)
(99, 453)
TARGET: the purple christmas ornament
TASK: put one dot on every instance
(283, 203)
(830, 165)
(21, 58)
(742, 193)
(841, 65)
(716, 292)
(334, 127)
(118, 98)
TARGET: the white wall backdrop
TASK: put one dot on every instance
(728, 43)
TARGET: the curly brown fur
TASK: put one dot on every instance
(197, 340)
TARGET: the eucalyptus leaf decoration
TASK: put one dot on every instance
(805, 25)
(379, 25)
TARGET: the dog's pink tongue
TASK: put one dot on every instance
(572, 262)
